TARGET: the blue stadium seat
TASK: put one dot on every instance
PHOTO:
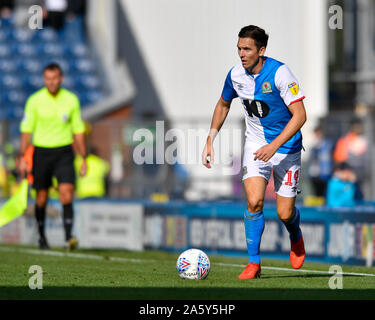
(69, 82)
(24, 49)
(50, 49)
(82, 65)
(76, 50)
(31, 65)
(22, 35)
(5, 50)
(33, 82)
(8, 65)
(89, 97)
(7, 22)
(24, 53)
(73, 30)
(9, 82)
(13, 97)
(5, 35)
(14, 112)
(46, 34)
(2, 112)
(88, 82)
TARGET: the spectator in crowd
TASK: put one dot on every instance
(320, 164)
(6, 7)
(342, 187)
(353, 149)
(94, 183)
(56, 10)
(76, 7)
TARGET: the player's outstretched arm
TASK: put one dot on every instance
(218, 118)
(298, 119)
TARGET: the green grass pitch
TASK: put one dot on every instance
(117, 274)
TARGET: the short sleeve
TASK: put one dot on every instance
(228, 93)
(78, 125)
(288, 85)
(28, 121)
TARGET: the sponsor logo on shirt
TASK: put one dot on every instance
(293, 87)
(239, 86)
(266, 87)
(256, 108)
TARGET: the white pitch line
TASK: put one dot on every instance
(72, 255)
(98, 257)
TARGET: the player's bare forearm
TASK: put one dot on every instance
(80, 143)
(295, 123)
(25, 142)
(298, 119)
(218, 118)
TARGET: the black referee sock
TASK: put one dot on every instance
(68, 220)
(40, 215)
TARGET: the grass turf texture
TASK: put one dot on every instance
(97, 275)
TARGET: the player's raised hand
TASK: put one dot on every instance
(208, 152)
(265, 153)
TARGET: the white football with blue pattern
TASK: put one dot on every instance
(193, 264)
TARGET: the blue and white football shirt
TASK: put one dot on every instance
(266, 97)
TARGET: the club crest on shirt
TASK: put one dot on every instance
(64, 117)
(266, 87)
(293, 87)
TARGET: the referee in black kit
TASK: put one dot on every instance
(51, 123)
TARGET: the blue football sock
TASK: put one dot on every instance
(254, 226)
(293, 226)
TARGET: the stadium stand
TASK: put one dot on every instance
(25, 52)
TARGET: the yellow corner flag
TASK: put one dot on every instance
(16, 205)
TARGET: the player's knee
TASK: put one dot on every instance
(41, 199)
(66, 194)
(66, 198)
(285, 214)
(255, 205)
(41, 202)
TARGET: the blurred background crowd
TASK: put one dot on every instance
(106, 62)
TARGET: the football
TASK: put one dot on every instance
(193, 264)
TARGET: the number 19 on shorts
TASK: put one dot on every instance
(290, 175)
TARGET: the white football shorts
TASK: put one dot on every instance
(286, 169)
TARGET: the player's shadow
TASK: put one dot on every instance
(294, 276)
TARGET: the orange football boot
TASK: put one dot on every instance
(297, 253)
(251, 271)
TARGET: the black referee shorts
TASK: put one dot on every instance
(50, 162)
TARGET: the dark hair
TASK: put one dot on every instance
(343, 166)
(53, 66)
(257, 34)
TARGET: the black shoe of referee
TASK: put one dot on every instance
(43, 244)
